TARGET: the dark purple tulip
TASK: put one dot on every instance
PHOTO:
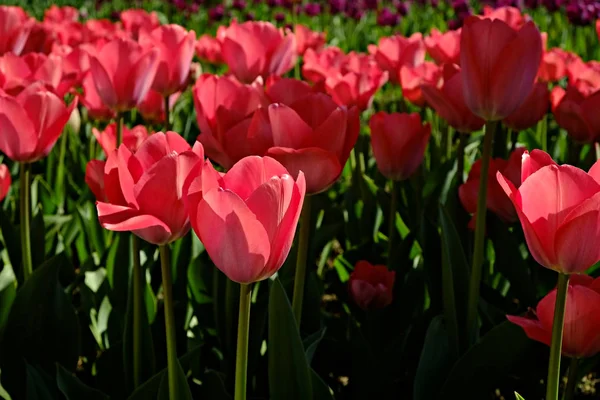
(239, 4)
(460, 6)
(289, 4)
(216, 13)
(387, 18)
(274, 3)
(337, 6)
(532, 3)
(250, 16)
(279, 17)
(371, 4)
(402, 8)
(312, 9)
(115, 15)
(434, 3)
(454, 24)
(551, 5)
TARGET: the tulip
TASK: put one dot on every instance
(412, 78)
(176, 50)
(5, 181)
(397, 51)
(582, 318)
(399, 141)
(554, 65)
(152, 108)
(61, 14)
(254, 49)
(123, 73)
(355, 89)
(20, 72)
(510, 15)
(247, 218)
(92, 102)
(576, 113)
(317, 66)
(444, 48)
(449, 102)
(139, 21)
(371, 286)
(308, 39)
(497, 79)
(15, 26)
(533, 109)
(31, 122)
(145, 190)
(132, 138)
(94, 178)
(208, 49)
(584, 76)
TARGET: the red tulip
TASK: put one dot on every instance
(138, 21)
(395, 52)
(317, 66)
(532, 110)
(20, 72)
(584, 76)
(247, 218)
(497, 201)
(443, 47)
(554, 65)
(254, 49)
(510, 15)
(497, 79)
(132, 138)
(224, 109)
(399, 142)
(94, 178)
(308, 39)
(31, 122)
(123, 73)
(15, 26)
(176, 50)
(449, 102)
(152, 108)
(102, 29)
(61, 14)
(287, 90)
(576, 113)
(92, 102)
(412, 78)
(371, 286)
(581, 332)
(5, 181)
(208, 49)
(559, 208)
(145, 190)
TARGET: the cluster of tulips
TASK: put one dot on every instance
(277, 141)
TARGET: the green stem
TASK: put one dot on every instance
(557, 336)
(119, 130)
(25, 208)
(165, 262)
(479, 249)
(167, 115)
(301, 260)
(572, 379)
(392, 222)
(241, 359)
(138, 309)
(597, 148)
(460, 156)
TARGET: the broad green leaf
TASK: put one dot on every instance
(213, 387)
(8, 293)
(320, 389)
(39, 385)
(518, 396)
(182, 385)
(73, 389)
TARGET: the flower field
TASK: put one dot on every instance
(287, 199)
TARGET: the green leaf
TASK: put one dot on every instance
(455, 284)
(213, 387)
(38, 239)
(311, 342)
(8, 293)
(73, 388)
(182, 384)
(320, 389)
(518, 396)
(289, 373)
(11, 237)
(38, 385)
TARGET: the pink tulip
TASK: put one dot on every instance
(247, 218)
(94, 178)
(208, 49)
(92, 102)
(317, 66)
(138, 21)
(511, 16)
(308, 39)
(132, 138)
(395, 52)
(15, 26)
(412, 78)
(145, 190)
(5, 181)
(443, 47)
(20, 72)
(61, 14)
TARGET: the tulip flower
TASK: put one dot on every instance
(176, 50)
(584, 76)
(20, 72)
(533, 109)
(509, 15)
(145, 190)
(576, 113)
(254, 49)
(497, 201)
(15, 26)
(449, 102)
(208, 49)
(397, 51)
(94, 178)
(123, 72)
(443, 48)
(371, 286)
(317, 66)
(497, 79)
(308, 39)
(61, 14)
(152, 108)
(399, 141)
(5, 181)
(355, 89)
(132, 138)
(412, 78)
(92, 102)
(582, 318)
(554, 65)
(139, 21)
(31, 122)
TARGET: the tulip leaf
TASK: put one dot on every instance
(8, 293)
(10, 235)
(518, 396)
(73, 389)
(38, 239)
(39, 385)
(320, 389)
(182, 385)
(289, 373)
(213, 386)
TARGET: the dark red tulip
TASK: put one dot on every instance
(532, 110)
(371, 286)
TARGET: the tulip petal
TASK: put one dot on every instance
(140, 77)
(251, 172)
(18, 139)
(103, 83)
(533, 329)
(94, 177)
(289, 130)
(531, 162)
(123, 219)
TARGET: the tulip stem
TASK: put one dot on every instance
(119, 130)
(167, 115)
(478, 247)
(301, 260)
(25, 209)
(557, 337)
(460, 156)
(597, 148)
(138, 309)
(392, 221)
(241, 359)
(572, 379)
(172, 361)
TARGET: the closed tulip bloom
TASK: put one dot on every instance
(94, 178)
(559, 209)
(412, 78)
(554, 65)
(308, 39)
(448, 101)
(176, 50)
(20, 72)
(208, 49)
(96, 110)
(532, 110)
(136, 21)
(31, 122)
(123, 72)
(371, 286)
(254, 49)
(152, 108)
(5, 181)
(399, 141)
(584, 76)
(497, 79)
(577, 113)
(132, 138)
(247, 218)
(581, 332)
(61, 14)
(443, 47)
(512, 16)
(146, 190)
(15, 26)
(397, 51)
